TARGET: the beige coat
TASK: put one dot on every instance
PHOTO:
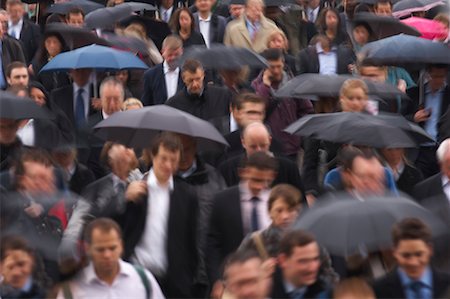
(236, 34)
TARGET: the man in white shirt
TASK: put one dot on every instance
(210, 25)
(107, 276)
(166, 10)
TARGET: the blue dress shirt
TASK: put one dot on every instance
(426, 280)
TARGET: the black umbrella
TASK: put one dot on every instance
(382, 26)
(359, 129)
(157, 30)
(348, 226)
(224, 57)
(407, 7)
(128, 43)
(405, 51)
(13, 107)
(317, 85)
(135, 128)
(75, 37)
(65, 7)
(106, 18)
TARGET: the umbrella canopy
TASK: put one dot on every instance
(75, 37)
(65, 7)
(360, 129)
(317, 85)
(348, 226)
(223, 57)
(405, 51)
(382, 26)
(429, 29)
(106, 18)
(95, 57)
(407, 7)
(157, 30)
(13, 107)
(127, 43)
(135, 128)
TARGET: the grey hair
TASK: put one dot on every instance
(113, 82)
(443, 149)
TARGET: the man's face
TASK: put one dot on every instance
(257, 180)
(236, 10)
(8, 130)
(253, 11)
(276, 69)
(15, 12)
(438, 76)
(105, 250)
(383, 9)
(189, 151)
(75, 20)
(204, 5)
(413, 256)
(80, 76)
(165, 164)
(37, 178)
(3, 24)
(112, 98)
(445, 165)
(245, 280)
(361, 35)
(16, 268)
(249, 113)
(256, 141)
(19, 77)
(171, 56)
(302, 266)
(367, 176)
(374, 73)
(194, 81)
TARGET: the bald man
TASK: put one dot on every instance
(256, 138)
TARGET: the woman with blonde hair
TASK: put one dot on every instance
(137, 30)
(278, 40)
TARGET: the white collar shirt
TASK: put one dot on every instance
(171, 78)
(15, 30)
(233, 124)
(204, 26)
(165, 13)
(27, 134)
(446, 186)
(246, 207)
(327, 61)
(151, 250)
(312, 13)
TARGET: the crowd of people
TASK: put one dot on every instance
(85, 217)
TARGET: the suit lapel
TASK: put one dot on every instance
(237, 209)
(161, 85)
(244, 32)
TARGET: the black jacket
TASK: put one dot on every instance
(309, 60)
(11, 51)
(30, 36)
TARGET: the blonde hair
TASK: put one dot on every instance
(356, 287)
(276, 33)
(131, 102)
(351, 84)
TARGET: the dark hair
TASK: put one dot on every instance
(175, 20)
(261, 161)
(191, 66)
(14, 65)
(322, 24)
(169, 141)
(247, 97)
(36, 155)
(12, 242)
(437, 66)
(295, 238)
(105, 225)
(411, 229)
(382, 2)
(288, 193)
(273, 54)
(38, 85)
(365, 25)
(239, 257)
(42, 56)
(74, 11)
(347, 155)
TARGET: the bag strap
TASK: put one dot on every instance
(257, 239)
(144, 279)
(66, 291)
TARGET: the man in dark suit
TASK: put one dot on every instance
(163, 81)
(427, 111)
(414, 277)
(256, 138)
(323, 58)
(199, 99)
(239, 210)
(210, 25)
(298, 267)
(21, 29)
(160, 223)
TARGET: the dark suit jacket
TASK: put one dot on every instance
(95, 146)
(181, 247)
(309, 60)
(410, 177)
(155, 90)
(430, 187)
(226, 230)
(216, 28)
(390, 285)
(82, 177)
(11, 51)
(46, 134)
(30, 36)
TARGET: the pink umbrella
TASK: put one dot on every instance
(430, 29)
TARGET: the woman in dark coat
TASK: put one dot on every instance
(183, 25)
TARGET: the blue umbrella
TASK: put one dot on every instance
(94, 57)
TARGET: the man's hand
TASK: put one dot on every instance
(310, 199)
(421, 115)
(135, 190)
(34, 210)
(401, 84)
(96, 104)
(266, 78)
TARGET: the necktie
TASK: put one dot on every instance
(311, 16)
(80, 117)
(120, 197)
(165, 16)
(416, 288)
(254, 222)
(296, 294)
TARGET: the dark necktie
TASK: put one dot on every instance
(80, 117)
(254, 223)
(416, 288)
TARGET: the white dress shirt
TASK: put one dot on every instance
(446, 186)
(127, 284)
(312, 13)
(151, 250)
(168, 12)
(27, 134)
(14, 30)
(327, 61)
(246, 208)
(233, 124)
(171, 78)
(204, 25)
(86, 98)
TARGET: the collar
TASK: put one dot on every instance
(166, 68)
(440, 90)
(76, 88)
(246, 194)
(320, 50)
(169, 10)
(71, 169)
(426, 278)
(19, 24)
(91, 276)
(208, 19)
(291, 289)
(196, 95)
(116, 180)
(257, 24)
(188, 172)
(445, 181)
(152, 182)
(104, 114)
